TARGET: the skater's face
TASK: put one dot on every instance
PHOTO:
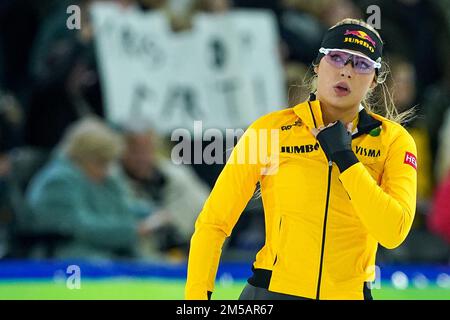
(344, 80)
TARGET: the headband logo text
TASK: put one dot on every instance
(365, 39)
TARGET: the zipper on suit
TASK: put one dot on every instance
(330, 167)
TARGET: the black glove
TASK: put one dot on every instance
(336, 142)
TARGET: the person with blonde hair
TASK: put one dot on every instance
(76, 196)
(175, 191)
(340, 181)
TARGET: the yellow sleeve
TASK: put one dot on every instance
(231, 193)
(387, 211)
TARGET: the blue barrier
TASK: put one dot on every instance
(31, 269)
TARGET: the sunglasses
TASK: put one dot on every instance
(339, 58)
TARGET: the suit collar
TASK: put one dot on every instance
(311, 114)
(366, 123)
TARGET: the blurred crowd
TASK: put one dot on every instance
(73, 186)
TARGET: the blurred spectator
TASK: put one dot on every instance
(151, 4)
(181, 12)
(299, 26)
(65, 81)
(421, 245)
(443, 153)
(301, 34)
(10, 122)
(178, 12)
(63, 93)
(176, 190)
(334, 11)
(436, 108)
(303, 23)
(76, 197)
(19, 20)
(403, 83)
(213, 6)
(439, 216)
(5, 212)
(415, 29)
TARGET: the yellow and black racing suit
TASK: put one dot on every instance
(322, 226)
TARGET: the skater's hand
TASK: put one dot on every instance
(336, 142)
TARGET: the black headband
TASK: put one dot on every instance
(353, 37)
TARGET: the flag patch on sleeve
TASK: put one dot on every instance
(411, 160)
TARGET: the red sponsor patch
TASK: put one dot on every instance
(411, 160)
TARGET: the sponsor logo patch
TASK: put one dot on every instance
(300, 149)
(410, 159)
(297, 123)
(373, 153)
(363, 39)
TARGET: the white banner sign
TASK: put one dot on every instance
(225, 71)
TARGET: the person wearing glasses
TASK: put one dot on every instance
(337, 178)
